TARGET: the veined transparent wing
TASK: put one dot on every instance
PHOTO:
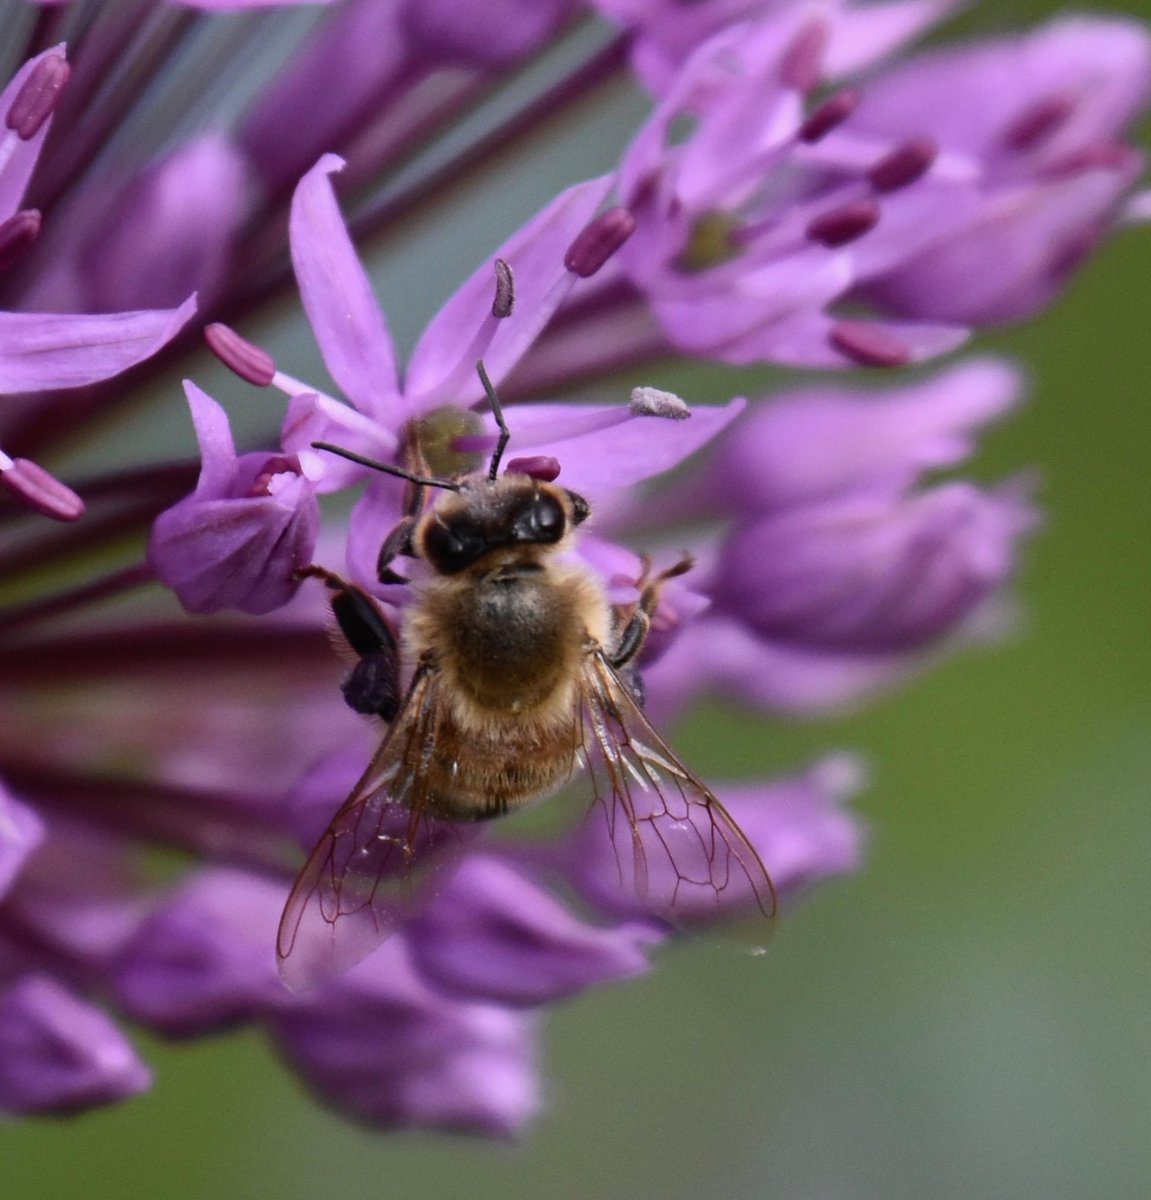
(378, 859)
(676, 848)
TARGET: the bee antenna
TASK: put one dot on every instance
(498, 413)
(387, 468)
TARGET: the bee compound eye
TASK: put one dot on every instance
(581, 509)
(453, 546)
(549, 518)
(540, 520)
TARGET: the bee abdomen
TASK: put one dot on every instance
(497, 777)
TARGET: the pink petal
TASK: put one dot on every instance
(217, 450)
(442, 368)
(864, 34)
(43, 351)
(348, 322)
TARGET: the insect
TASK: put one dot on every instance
(520, 676)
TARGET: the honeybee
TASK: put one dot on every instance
(521, 675)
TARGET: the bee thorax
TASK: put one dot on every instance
(510, 640)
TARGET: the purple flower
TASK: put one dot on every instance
(494, 934)
(743, 238)
(21, 831)
(758, 215)
(751, 221)
(1029, 178)
(58, 1054)
(238, 540)
(46, 351)
(353, 337)
(148, 240)
(667, 31)
(838, 573)
(391, 1052)
(379, 1042)
(869, 574)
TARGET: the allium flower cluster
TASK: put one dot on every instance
(806, 191)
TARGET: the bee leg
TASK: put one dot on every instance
(373, 684)
(637, 624)
(398, 542)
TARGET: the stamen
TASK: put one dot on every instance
(277, 464)
(1101, 156)
(505, 298)
(844, 224)
(905, 164)
(869, 345)
(37, 99)
(802, 63)
(535, 466)
(832, 112)
(598, 241)
(247, 360)
(1038, 122)
(17, 234)
(39, 490)
(652, 402)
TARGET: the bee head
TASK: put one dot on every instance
(486, 515)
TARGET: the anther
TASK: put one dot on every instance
(652, 402)
(869, 345)
(1101, 156)
(38, 97)
(826, 116)
(905, 164)
(802, 63)
(248, 361)
(39, 490)
(844, 224)
(537, 466)
(598, 241)
(1038, 122)
(505, 298)
(17, 234)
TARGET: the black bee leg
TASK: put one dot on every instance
(373, 684)
(633, 623)
(398, 542)
(637, 623)
(631, 640)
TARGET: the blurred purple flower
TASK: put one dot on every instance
(837, 573)
(668, 31)
(45, 351)
(21, 831)
(1032, 170)
(759, 216)
(743, 237)
(59, 1054)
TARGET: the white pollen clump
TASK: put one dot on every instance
(651, 402)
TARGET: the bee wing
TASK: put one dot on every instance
(377, 858)
(676, 848)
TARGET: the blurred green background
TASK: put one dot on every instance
(967, 1018)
